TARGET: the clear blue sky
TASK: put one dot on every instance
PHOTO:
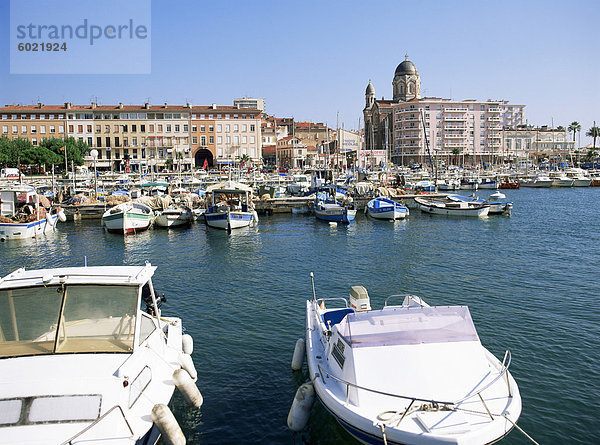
(312, 59)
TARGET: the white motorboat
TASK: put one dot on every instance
(449, 207)
(174, 216)
(87, 357)
(230, 206)
(497, 206)
(580, 177)
(541, 180)
(407, 374)
(559, 179)
(383, 208)
(22, 215)
(129, 217)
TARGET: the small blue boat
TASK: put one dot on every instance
(383, 208)
(327, 208)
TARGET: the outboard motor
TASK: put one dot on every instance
(359, 299)
(147, 298)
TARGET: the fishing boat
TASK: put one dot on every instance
(86, 356)
(439, 206)
(229, 206)
(408, 373)
(580, 177)
(328, 208)
(128, 217)
(469, 183)
(488, 183)
(497, 207)
(560, 179)
(23, 216)
(174, 216)
(508, 183)
(383, 208)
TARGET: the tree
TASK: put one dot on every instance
(456, 153)
(560, 128)
(593, 132)
(574, 127)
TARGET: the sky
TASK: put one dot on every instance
(312, 60)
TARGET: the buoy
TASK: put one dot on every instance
(187, 344)
(170, 430)
(301, 406)
(332, 224)
(187, 363)
(298, 357)
(187, 388)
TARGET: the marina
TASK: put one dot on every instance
(243, 295)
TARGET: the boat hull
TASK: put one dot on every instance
(340, 215)
(386, 209)
(235, 220)
(163, 220)
(126, 223)
(28, 230)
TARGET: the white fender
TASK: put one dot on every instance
(187, 388)
(301, 406)
(186, 362)
(170, 430)
(187, 344)
(298, 357)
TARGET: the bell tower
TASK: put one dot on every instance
(369, 95)
(406, 83)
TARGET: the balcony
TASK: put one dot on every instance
(454, 136)
(455, 127)
(408, 110)
(494, 110)
(455, 110)
(412, 118)
(455, 145)
(494, 127)
(455, 118)
(494, 119)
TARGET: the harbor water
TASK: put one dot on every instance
(530, 280)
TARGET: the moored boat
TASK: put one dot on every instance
(541, 180)
(229, 206)
(449, 207)
(128, 217)
(383, 208)
(497, 207)
(328, 208)
(23, 216)
(409, 373)
(174, 216)
(86, 356)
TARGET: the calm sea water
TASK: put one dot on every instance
(531, 281)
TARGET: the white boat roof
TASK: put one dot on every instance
(116, 275)
(229, 187)
(408, 326)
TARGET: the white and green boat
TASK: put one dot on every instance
(129, 217)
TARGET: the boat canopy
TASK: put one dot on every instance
(229, 187)
(408, 326)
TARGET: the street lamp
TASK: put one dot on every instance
(94, 155)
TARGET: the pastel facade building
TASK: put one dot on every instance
(400, 128)
(33, 122)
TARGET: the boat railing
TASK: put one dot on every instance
(503, 372)
(323, 300)
(97, 421)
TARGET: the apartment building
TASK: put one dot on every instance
(33, 123)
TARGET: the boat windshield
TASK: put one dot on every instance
(73, 319)
(408, 326)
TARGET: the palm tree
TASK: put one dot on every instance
(594, 132)
(574, 127)
(560, 128)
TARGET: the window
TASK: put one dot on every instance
(61, 128)
(125, 142)
(135, 153)
(252, 139)
(211, 139)
(98, 142)
(219, 139)
(107, 142)
(236, 140)
(244, 140)
(143, 153)
(116, 128)
(134, 128)
(98, 128)
(90, 141)
(177, 128)
(203, 140)
(253, 127)
(227, 128)
(211, 128)
(168, 128)
(228, 139)
(194, 139)
(89, 128)
(219, 128)
(117, 142)
(236, 127)
(33, 129)
(202, 128)
(186, 128)
(71, 129)
(194, 128)
(107, 154)
(15, 129)
(134, 142)
(244, 127)
(124, 128)
(5, 129)
(79, 128)
(151, 128)
(5, 117)
(143, 128)
(160, 128)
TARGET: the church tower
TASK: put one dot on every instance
(369, 95)
(406, 83)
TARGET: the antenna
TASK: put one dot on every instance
(312, 279)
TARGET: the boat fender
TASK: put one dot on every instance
(301, 406)
(170, 430)
(254, 217)
(187, 344)
(298, 357)
(187, 388)
(61, 214)
(186, 362)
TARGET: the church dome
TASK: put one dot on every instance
(370, 89)
(406, 67)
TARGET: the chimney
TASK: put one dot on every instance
(214, 106)
(146, 106)
(94, 105)
(68, 105)
(120, 105)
